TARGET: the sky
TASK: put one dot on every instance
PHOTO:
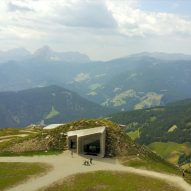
(102, 29)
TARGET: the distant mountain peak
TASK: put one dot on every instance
(44, 52)
(163, 55)
(48, 54)
(16, 54)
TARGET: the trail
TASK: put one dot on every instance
(12, 136)
(65, 165)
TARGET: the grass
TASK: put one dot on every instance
(13, 136)
(16, 131)
(134, 134)
(31, 153)
(149, 164)
(12, 174)
(149, 100)
(16, 140)
(52, 113)
(10, 131)
(187, 166)
(111, 181)
(172, 129)
(121, 98)
(170, 151)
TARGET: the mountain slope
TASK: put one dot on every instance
(159, 124)
(145, 82)
(51, 104)
(138, 81)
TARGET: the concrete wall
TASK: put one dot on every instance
(83, 140)
(102, 144)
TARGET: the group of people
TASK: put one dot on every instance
(88, 162)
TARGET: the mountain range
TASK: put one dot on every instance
(44, 53)
(134, 82)
(50, 104)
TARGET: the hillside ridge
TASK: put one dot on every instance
(52, 104)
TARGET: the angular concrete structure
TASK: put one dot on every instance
(87, 141)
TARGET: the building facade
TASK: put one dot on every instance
(87, 141)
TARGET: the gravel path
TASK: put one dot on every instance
(65, 165)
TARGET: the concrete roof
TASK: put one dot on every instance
(52, 126)
(84, 132)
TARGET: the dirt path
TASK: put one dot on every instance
(64, 165)
(13, 136)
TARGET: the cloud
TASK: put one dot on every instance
(100, 28)
(122, 16)
(22, 33)
(13, 7)
(93, 14)
(135, 22)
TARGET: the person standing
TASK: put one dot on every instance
(91, 160)
(183, 173)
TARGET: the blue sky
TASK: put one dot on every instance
(180, 7)
(102, 29)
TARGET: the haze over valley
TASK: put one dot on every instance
(133, 82)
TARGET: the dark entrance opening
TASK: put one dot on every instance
(72, 144)
(92, 148)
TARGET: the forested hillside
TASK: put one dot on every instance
(170, 123)
(51, 104)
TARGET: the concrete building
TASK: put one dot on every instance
(87, 141)
(52, 126)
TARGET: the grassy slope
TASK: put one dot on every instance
(153, 165)
(117, 144)
(13, 136)
(134, 134)
(52, 104)
(14, 131)
(52, 113)
(171, 151)
(150, 164)
(111, 181)
(14, 173)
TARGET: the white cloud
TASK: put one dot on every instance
(135, 22)
(100, 28)
(124, 16)
(14, 7)
(22, 33)
(93, 14)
